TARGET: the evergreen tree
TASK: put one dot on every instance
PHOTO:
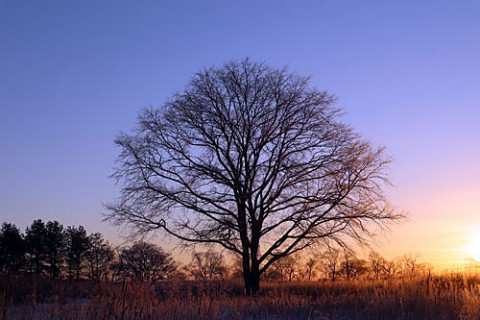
(36, 247)
(12, 249)
(99, 257)
(55, 243)
(77, 246)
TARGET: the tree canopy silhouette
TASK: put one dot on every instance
(255, 160)
(146, 262)
(12, 248)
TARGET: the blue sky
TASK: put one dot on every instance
(74, 74)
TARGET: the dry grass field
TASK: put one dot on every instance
(449, 296)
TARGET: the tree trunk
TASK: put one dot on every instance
(246, 272)
(246, 280)
(255, 266)
(255, 279)
(251, 279)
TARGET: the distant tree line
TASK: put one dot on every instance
(49, 249)
(336, 263)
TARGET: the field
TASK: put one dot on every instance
(448, 296)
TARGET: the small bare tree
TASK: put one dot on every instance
(391, 269)
(284, 269)
(209, 265)
(252, 159)
(145, 262)
(352, 267)
(409, 264)
(377, 264)
(310, 265)
(331, 263)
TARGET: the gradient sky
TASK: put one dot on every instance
(73, 74)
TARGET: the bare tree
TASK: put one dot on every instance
(377, 264)
(409, 265)
(207, 265)
(310, 265)
(252, 159)
(146, 262)
(235, 267)
(352, 267)
(287, 268)
(391, 269)
(331, 262)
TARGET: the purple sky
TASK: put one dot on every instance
(74, 74)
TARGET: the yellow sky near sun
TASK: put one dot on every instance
(441, 229)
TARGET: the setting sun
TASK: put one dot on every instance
(473, 249)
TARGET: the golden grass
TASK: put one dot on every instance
(452, 296)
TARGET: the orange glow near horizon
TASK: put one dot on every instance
(443, 227)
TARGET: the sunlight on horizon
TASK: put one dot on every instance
(473, 247)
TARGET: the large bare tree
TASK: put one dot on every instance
(255, 160)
